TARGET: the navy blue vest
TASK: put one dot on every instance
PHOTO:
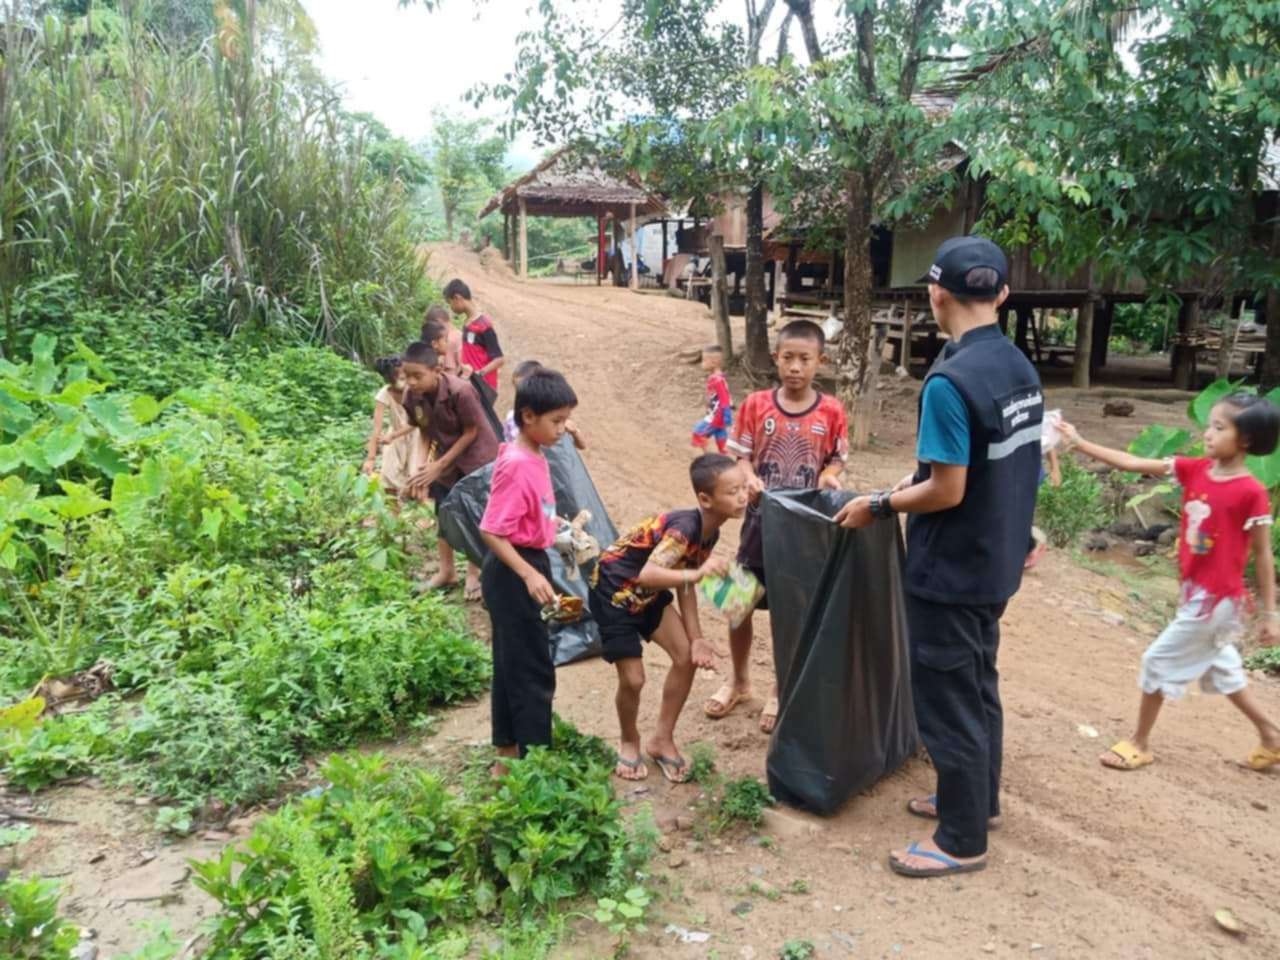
(974, 552)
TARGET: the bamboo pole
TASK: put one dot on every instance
(524, 240)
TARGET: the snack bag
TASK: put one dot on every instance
(735, 595)
(566, 609)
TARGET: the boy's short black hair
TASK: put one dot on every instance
(524, 368)
(712, 348)
(387, 368)
(1257, 421)
(419, 352)
(435, 314)
(433, 330)
(705, 471)
(456, 288)
(803, 330)
(541, 392)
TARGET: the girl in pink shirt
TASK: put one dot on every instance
(518, 526)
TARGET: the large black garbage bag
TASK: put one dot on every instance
(836, 606)
(459, 521)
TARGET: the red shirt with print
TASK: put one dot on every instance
(480, 347)
(786, 450)
(719, 401)
(1217, 517)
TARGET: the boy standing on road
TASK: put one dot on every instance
(794, 437)
(971, 501)
(518, 526)
(459, 439)
(481, 353)
(719, 417)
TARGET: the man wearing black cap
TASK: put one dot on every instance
(970, 503)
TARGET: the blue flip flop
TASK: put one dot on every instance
(950, 864)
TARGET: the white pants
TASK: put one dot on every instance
(1198, 645)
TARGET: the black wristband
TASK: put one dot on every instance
(882, 505)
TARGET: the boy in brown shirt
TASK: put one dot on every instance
(459, 439)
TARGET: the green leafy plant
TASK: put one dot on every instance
(743, 801)
(30, 928)
(797, 950)
(1268, 659)
(702, 763)
(623, 916)
(1066, 511)
(54, 749)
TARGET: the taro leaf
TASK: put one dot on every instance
(16, 497)
(10, 458)
(210, 523)
(1157, 442)
(43, 372)
(1266, 469)
(80, 501)
(60, 446)
(74, 394)
(15, 416)
(1200, 407)
(105, 457)
(97, 366)
(132, 494)
(144, 409)
(113, 415)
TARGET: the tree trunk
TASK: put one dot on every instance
(757, 308)
(1084, 345)
(448, 223)
(524, 239)
(1184, 354)
(720, 298)
(856, 366)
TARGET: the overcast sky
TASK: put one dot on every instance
(398, 64)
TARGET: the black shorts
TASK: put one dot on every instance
(623, 634)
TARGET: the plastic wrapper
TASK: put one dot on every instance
(735, 595)
(575, 492)
(836, 605)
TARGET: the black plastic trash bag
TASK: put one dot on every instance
(845, 716)
(459, 521)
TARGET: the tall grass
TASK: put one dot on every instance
(142, 170)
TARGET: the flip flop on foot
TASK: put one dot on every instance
(721, 703)
(472, 592)
(1262, 758)
(441, 584)
(675, 769)
(630, 769)
(769, 715)
(1125, 756)
(927, 807)
(948, 865)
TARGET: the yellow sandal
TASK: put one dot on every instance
(1262, 758)
(1131, 758)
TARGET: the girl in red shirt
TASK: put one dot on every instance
(1225, 514)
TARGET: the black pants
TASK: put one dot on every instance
(956, 689)
(524, 676)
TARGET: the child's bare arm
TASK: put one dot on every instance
(1055, 469)
(657, 577)
(374, 439)
(829, 479)
(700, 651)
(395, 435)
(1119, 459)
(571, 428)
(538, 586)
(1265, 568)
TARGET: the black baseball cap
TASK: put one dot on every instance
(958, 257)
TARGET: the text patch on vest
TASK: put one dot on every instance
(1021, 413)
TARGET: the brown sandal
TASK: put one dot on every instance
(721, 703)
(769, 715)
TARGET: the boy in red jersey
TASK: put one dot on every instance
(480, 350)
(1225, 514)
(793, 437)
(719, 417)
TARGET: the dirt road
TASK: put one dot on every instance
(1090, 862)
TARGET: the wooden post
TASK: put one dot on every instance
(524, 240)
(779, 288)
(1084, 344)
(662, 224)
(506, 236)
(616, 265)
(720, 298)
(634, 282)
(905, 354)
(1101, 335)
(599, 248)
(1184, 353)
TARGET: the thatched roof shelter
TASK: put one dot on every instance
(567, 184)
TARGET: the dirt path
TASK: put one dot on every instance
(1090, 863)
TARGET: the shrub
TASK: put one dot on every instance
(388, 856)
(30, 928)
(1066, 511)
